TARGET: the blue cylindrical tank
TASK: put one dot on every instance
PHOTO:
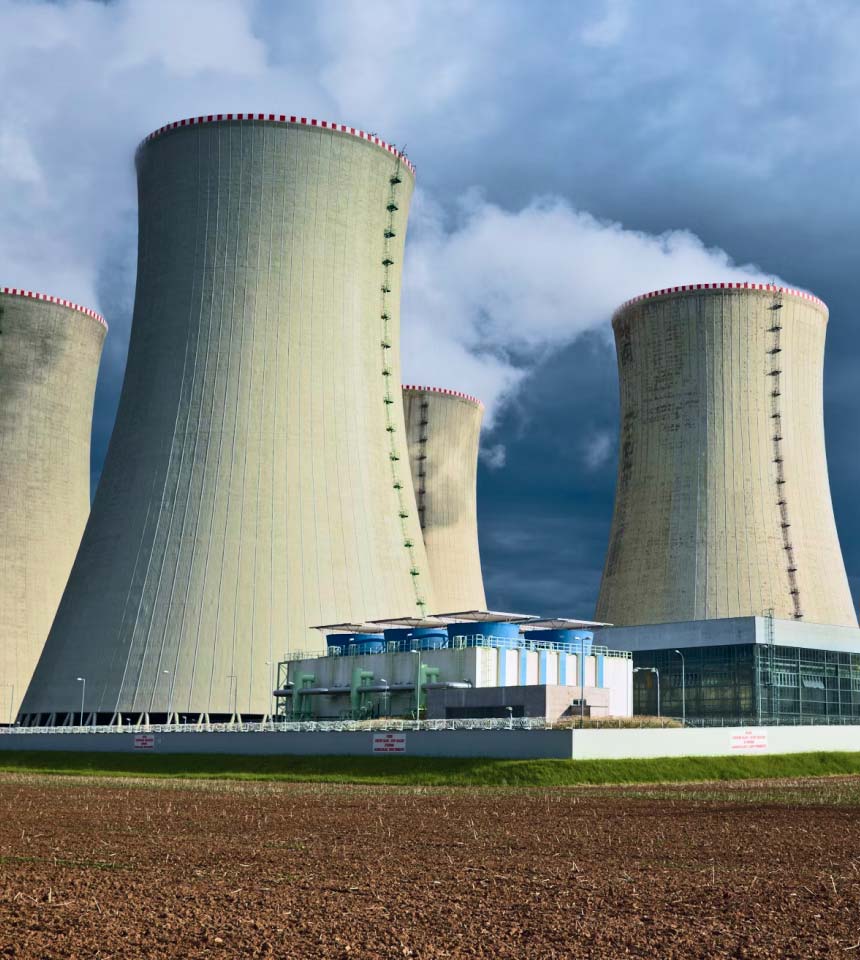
(422, 638)
(397, 634)
(575, 640)
(487, 634)
(429, 638)
(357, 642)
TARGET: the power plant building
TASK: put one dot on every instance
(724, 575)
(49, 359)
(476, 665)
(723, 502)
(443, 431)
(257, 480)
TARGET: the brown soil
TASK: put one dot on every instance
(121, 869)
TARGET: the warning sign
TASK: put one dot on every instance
(144, 741)
(389, 743)
(750, 740)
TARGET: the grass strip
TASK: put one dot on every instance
(434, 771)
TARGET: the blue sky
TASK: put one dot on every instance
(569, 154)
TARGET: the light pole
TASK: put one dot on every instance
(657, 672)
(83, 681)
(510, 717)
(683, 688)
(418, 688)
(270, 664)
(386, 696)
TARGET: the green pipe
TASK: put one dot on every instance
(304, 680)
(356, 697)
(427, 675)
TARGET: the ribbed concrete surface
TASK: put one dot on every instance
(444, 429)
(249, 491)
(722, 443)
(49, 359)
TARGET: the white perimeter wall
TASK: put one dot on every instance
(501, 744)
(711, 741)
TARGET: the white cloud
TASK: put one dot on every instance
(494, 456)
(17, 159)
(485, 300)
(489, 289)
(597, 449)
(187, 38)
(609, 29)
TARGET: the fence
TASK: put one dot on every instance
(458, 643)
(398, 725)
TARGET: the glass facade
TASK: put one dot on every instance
(749, 682)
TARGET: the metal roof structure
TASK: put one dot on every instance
(415, 622)
(565, 623)
(486, 616)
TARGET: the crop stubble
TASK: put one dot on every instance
(122, 869)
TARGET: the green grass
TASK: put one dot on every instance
(431, 771)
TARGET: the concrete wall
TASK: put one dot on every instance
(499, 744)
(257, 481)
(712, 741)
(618, 679)
(49, 360)
(502, 744)
(713, 419)
(443, 429)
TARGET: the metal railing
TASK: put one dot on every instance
(457, 643)
(400, 725)
(295, 726)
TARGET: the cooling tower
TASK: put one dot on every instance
(723, 504)
(443, 429)
(49, 359)
(257, 481)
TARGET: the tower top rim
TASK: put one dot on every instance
(443, 390)
(59, 301)
(727, 285)
(280, 119)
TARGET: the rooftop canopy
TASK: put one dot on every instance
(485, 616)
(564, 623)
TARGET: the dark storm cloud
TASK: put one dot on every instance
(544, 518)
(732, 123)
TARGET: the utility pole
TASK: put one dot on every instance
(82, 680)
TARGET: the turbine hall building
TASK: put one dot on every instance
(49, 359)
(723, 546)
(257, 480)
(443, 431)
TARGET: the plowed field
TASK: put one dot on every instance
(148, 869)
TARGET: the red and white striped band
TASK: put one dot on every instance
(692, 287)
(15, 292)
(279, 118)
(450, 393)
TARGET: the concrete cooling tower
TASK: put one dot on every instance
(49, 360)
(443, 429)
(723, 502)
(257, 481)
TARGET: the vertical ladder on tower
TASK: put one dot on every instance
(420, 487)
(386, 345)
(774, 353)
